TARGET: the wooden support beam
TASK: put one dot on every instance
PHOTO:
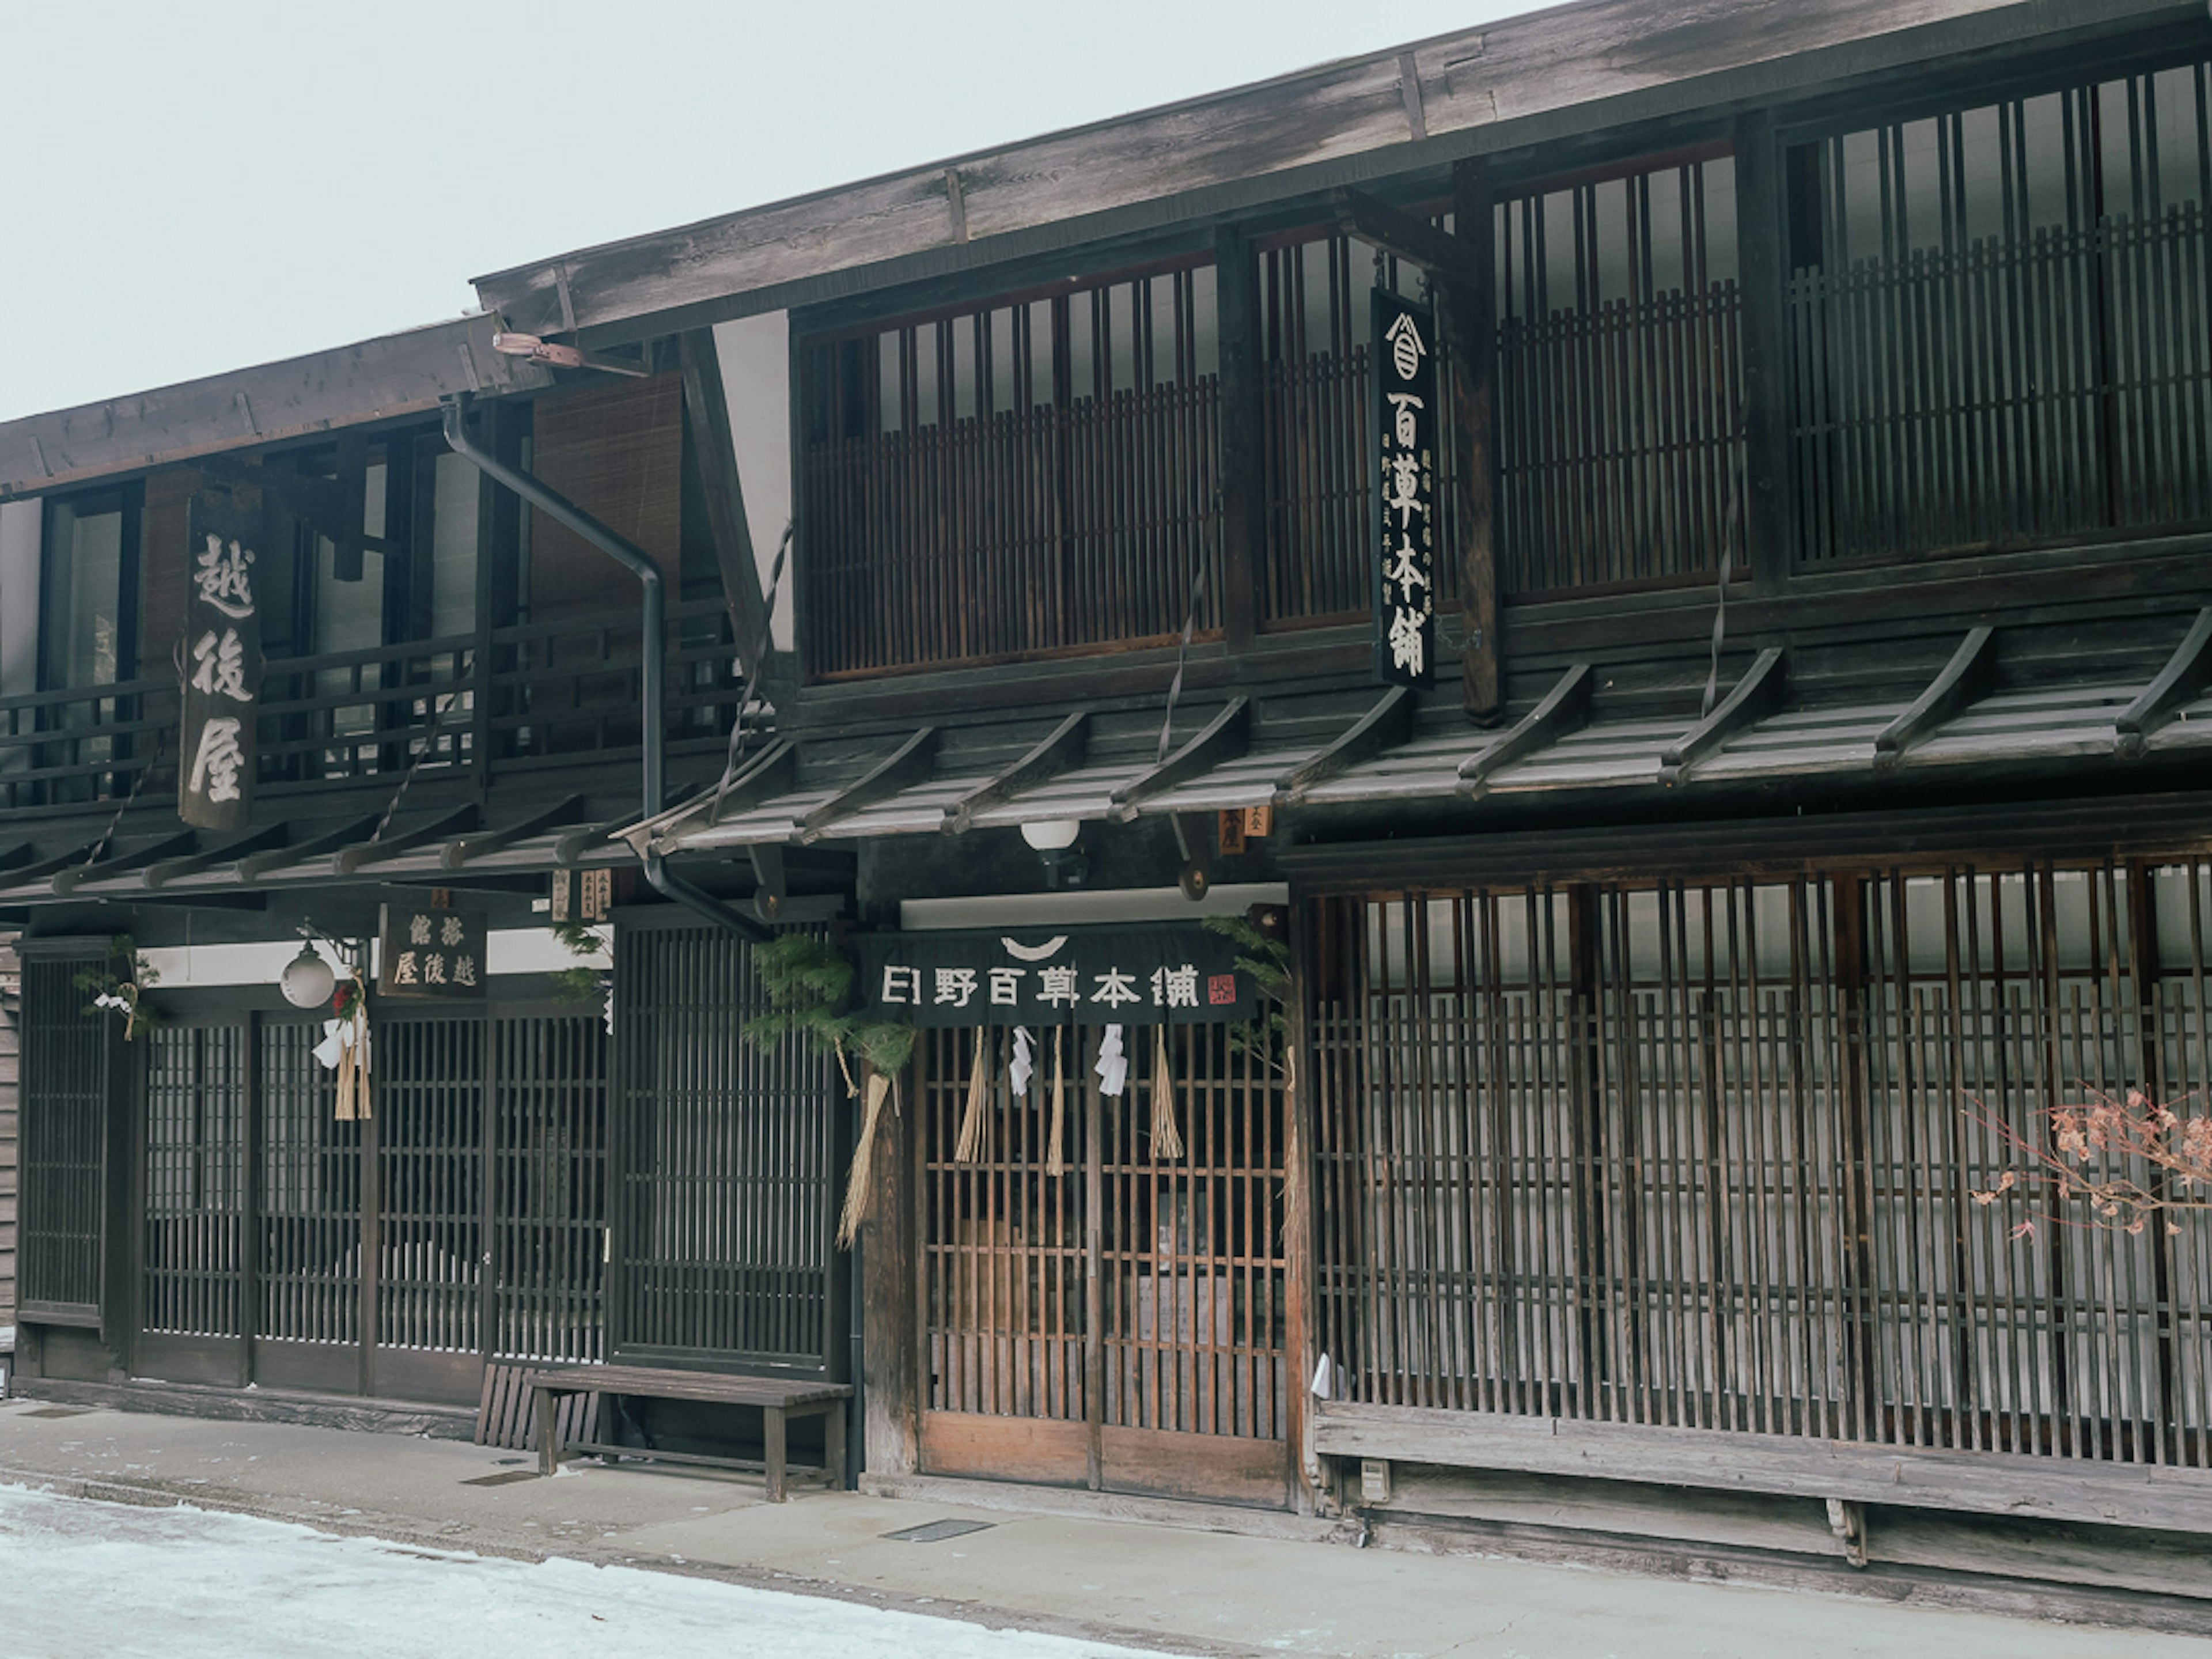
(1566, 707)
(1062, 751)
(347, 859)
(573, 848)
(1244, 462)
(706, 407)
(1755, 696)
(2185, 674)
(1384, 727)
(68, 881)
(1410, 238)
(165, 870)
(1965, 679)
(906, 765)
(17, 856)
(1468, 311)
(557, 816)
(1763, 497)
(1226, 736)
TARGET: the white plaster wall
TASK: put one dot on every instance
(755, 353)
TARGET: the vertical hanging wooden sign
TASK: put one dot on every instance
(1405, 364)
(221, 661)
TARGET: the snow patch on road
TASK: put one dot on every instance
(85, 1577)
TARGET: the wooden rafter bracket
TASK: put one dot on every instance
(1062, 751)
(1446, 258)
(65, 882)
(43, 869)
(1382, 728)
(348, 860)
(1226, 736)
(1566, 707)
(165, 870)
(1965, 680)
(1757, 694)
(254, 865)
(557, 816)
(571, 849)
(2185, 674)
(905, 766)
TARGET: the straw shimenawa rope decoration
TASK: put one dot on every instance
(1055, 1158)
(860, 1184)
(969, 1147)
(1167, 1137)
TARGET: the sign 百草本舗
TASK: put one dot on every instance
(1406, 444)
(1170, 973)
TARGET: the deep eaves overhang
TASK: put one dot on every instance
(1540, 77)
(388, 378)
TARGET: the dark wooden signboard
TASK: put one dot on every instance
(1405, 361)
(428, 953)
(221, 661)
(1167, 974)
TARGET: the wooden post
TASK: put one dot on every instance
(890, 1346)
(1470, 320)
(1243, 461)
(1762, 244)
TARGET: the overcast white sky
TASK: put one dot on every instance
(196, 187)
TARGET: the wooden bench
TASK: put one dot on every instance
(779, 1401)
(1847, 1474)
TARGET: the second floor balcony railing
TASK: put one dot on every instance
(514, 697)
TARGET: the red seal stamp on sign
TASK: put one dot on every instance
(1221, 990)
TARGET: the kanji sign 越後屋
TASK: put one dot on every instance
(1169, 974)
(424, 951)
(221, 661)
(1406, 441)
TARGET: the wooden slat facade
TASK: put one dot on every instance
(1704, 1155)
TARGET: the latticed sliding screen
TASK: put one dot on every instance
(2001, 322)
(310, 1219)
(1706, 1156)
(66, 1054)
(726, 1192)
(1031, 475)
(192, 1235)
(550, 1176)
(1183, 1254)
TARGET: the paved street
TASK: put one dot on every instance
(391, 1546)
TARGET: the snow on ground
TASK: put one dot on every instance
(79, 1578)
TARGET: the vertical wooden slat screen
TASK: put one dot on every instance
(1188, 1252)
(1706, 1156)
(549, 1187)
(1027, 477)
(725, 1170)
(192, 1232)
(309, 1271)
(430, 1105)
(66, 1052)
(2002, 332)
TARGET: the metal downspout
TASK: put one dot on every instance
(652, 613)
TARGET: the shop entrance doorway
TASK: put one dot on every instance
(1092, 1315)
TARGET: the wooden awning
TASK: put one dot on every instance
(1587, 730)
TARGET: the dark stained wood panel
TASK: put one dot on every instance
(616, 452)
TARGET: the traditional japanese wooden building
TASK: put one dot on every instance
(1743, 743)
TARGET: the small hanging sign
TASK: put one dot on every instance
(221, 661)
(1406, 441)
(1166, 974)
(425, 952)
